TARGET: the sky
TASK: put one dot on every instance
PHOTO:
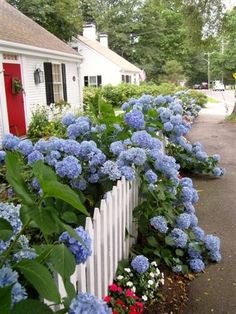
(230, 3)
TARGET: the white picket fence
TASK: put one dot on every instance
(113, 231)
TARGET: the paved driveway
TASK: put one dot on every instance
(215, 291)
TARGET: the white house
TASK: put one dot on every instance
(31, 57)
(101, 65)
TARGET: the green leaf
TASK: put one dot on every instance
(62, 260)
(71, 292)
(40, 277)
(69, 217)
(179, 252)
(152, 241)
(15, 179)
(30, 306)
(185, 269)
(169, 240)
(53, 188)
(5, 229)
(71, 232)
(45, 218)
(5, 297)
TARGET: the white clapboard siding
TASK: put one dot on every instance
(113, 231)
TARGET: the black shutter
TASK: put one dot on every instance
(99, 80)
(63, 71)
(123, 78)
(48, 82)
(86, 81)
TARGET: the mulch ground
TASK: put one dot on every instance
(174, 296)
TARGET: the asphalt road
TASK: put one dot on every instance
(215, 291)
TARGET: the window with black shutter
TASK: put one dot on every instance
(99, 80)
(86, 81)
(63, 71)
(48, 82)
(123, 78)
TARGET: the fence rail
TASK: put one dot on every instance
(113, 232)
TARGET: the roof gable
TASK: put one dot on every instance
(109, 54)
(17, 28)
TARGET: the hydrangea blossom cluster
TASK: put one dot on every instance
(212, 244)
(140, 263)
(81, 251)
(159, 223)
(8, 277)
(88, 303)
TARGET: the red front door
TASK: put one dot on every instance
(15, 102)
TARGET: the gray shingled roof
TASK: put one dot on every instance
(18, 28)
(109, 54)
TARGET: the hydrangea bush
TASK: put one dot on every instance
(58, 180)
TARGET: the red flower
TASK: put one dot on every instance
(139, 304)
(107, 298)
(113, 287)
(115, 312)
(129, 293)
(119, 289)
(119, 301)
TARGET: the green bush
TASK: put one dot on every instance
(117, 95)
(201, 99)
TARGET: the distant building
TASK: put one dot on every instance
(31, 57)
(101, 65)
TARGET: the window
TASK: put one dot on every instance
(55, 82)
(93, 81)
(126, 78)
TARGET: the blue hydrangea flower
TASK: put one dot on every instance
(178, 109)
(11, 213)
(151, 176)
(96, 158)
(183, 221)
(217, 172)
(69, 167)
(177, 119)
(134, 155)
(117, 147)
(2, 156)
(193, 220)
(125, 106)
(81, 251)
(80, 127)
(10, 142)
(28, 253)
(142, 139)
(212, 243)
(197, 265)
(159, 223)
(93, 178)
(68, 119)
(135, 119)
(80, 184)
(186, 182)
(140, 263)
(215, 256)
(187, 194)
(201, 155)
(160, 100)
(168, 126)
(193, 251)
(86, 303)
(70, 147)
(180, 237)
(128, 172)
(177, 269)
(25, 147)
(216, 157)
(34, 156)
(111, 169)
(199, 233)
(18, 293)
(86, 148)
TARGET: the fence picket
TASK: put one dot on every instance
(107, 229)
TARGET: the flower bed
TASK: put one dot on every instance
(60, 181)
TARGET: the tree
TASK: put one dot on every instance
(174, 72)
(60, 17)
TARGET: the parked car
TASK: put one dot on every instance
(218, 86)
(197, 86)
(204, 85)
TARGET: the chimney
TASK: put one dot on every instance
(104, 39)
(89, 31)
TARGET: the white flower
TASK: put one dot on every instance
(144, 297)
(162, 275)
(129, 284)
(154, 263)
(120, 277)
(152, 275)
(157, 284)
(158, 271)
(150, 282)
(131, 275)
(127, 270)
(133, 289)
(162, 281)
